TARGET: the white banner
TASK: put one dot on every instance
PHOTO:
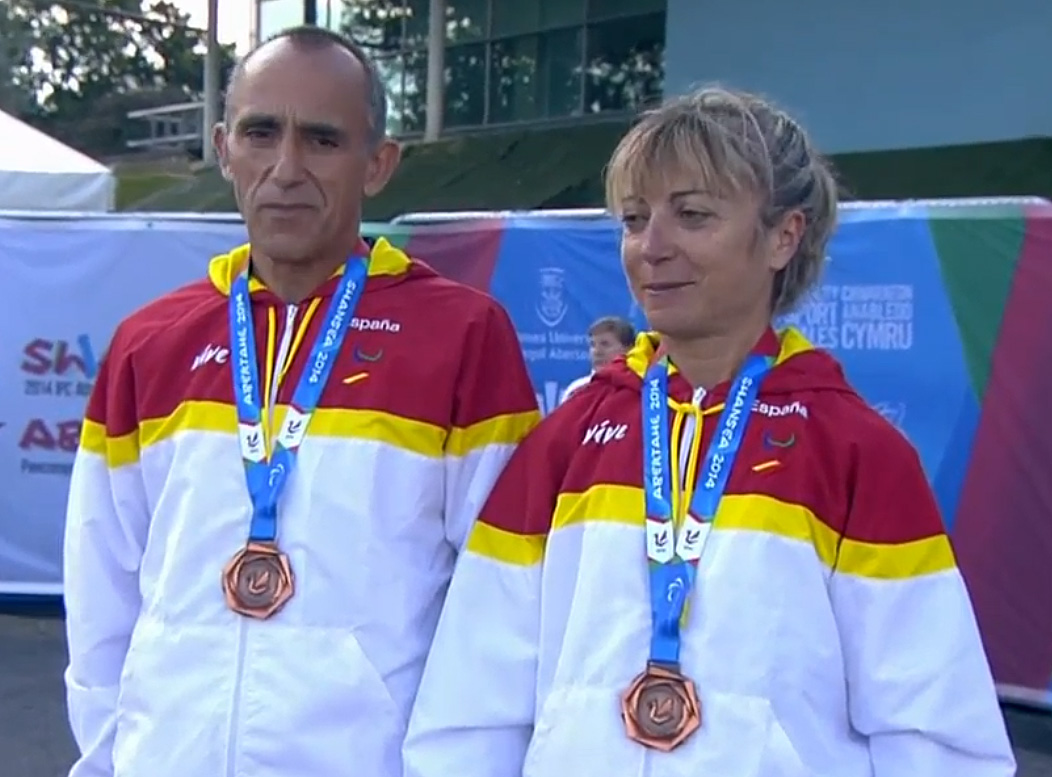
(67, 282)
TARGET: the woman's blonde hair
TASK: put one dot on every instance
(735, 142)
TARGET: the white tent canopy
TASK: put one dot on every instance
(39, 173)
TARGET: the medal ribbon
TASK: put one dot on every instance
(267, 475)
(673, 556)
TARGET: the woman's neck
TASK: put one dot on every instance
(710, 360)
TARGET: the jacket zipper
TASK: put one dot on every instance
(282, 355)
(690, 428)
(243, 625)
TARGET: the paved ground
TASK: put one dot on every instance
(34, 736)
(35, 742)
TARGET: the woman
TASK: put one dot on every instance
(784, 602)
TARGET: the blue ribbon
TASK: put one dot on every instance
(671, 576)
(267, 478)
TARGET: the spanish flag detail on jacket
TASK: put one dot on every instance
(829, 632)
(427, 399)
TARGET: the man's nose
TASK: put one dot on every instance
(289, 168)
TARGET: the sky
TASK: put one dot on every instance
(234, 18)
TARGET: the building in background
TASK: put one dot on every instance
(505, 62)
(945, 99)
(863, 77)
(872, 77)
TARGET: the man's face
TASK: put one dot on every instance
(298, 147)
(604, 347)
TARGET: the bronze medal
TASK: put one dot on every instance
(661, 708)
(258, 581)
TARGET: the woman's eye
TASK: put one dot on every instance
(632, 220)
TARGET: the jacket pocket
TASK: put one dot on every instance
(320, 684)
(580, 731)
(740, 736)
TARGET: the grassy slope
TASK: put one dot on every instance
(562, 168)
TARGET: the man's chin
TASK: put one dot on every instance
(284, 250)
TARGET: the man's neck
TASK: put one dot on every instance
(293, 282)
(710, 360)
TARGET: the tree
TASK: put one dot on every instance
(16, 60)
(78, 66)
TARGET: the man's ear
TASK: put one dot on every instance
(219, 140)
(382, 165)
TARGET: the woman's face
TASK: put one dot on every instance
(697, 263)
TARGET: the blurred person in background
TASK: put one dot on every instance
(281, 462)
(746, 573)
(608, 338)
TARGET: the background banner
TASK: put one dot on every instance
(938, 311)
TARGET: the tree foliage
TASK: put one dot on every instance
(75, 68)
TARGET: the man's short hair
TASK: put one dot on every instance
(617, 326)
(309, 37)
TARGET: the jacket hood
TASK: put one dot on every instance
(388, 266)
(799, 366)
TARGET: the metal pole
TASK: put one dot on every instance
(436, 69)
(212, 60)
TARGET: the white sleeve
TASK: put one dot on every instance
(919, 684)
(106, 525)
(473, 715)
(474, 712)
(494, 409)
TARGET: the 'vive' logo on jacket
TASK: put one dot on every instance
(603, 432)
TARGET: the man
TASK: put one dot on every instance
(234, 608)
(608, 338)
